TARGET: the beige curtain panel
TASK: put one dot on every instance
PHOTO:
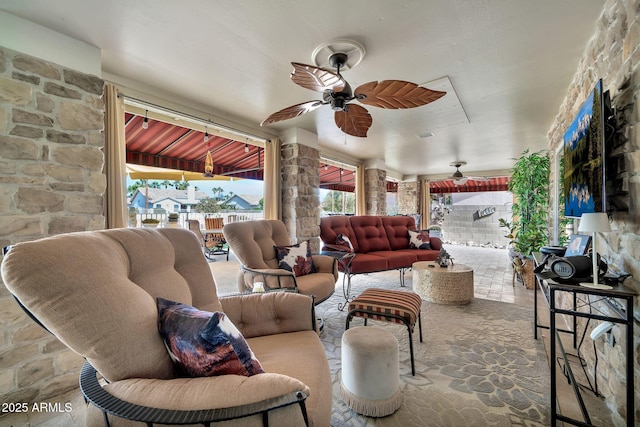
(115, 159)
(424, 205)
(272, 178)
(361, 203)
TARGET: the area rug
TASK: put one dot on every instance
(478, 364)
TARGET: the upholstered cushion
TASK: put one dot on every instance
(419, 239)
(382, 302)
(295, 258)
(204, 344)
(370, 234)
(331, 226)
(396, 228)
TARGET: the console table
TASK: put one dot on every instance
(622, 315)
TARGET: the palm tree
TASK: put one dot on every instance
(217, 192)
(166, 184)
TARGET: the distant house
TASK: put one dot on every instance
(244, 201)
(169, 199)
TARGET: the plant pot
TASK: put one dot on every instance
(155, 225)
(528, 276)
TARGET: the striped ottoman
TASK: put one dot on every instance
(392, 306)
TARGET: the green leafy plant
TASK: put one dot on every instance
(150, 221)
(529, 184)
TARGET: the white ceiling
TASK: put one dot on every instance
(509, 62)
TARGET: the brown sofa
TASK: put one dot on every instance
(380, 243)
(96, 291)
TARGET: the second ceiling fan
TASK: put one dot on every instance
(460, 179)
(351, 118)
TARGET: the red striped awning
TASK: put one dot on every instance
(499, 183)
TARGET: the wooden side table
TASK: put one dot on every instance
(451, 285)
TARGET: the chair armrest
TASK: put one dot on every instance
(272, 278)
(270, 313)
(325, 264)
(143, 399)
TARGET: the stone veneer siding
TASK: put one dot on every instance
(375, 183)
(613, 54)
(408, 197)
(52, 181)
(301, 193)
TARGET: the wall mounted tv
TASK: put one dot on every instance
(584, 155)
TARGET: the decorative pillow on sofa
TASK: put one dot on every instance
(343, 240)
(204, 344)
(295, 258)
(419, 239)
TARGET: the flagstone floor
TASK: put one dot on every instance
(492, 274)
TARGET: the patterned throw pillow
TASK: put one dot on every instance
(295, 258)
(204, 344)
(419, 239)
(343, 240)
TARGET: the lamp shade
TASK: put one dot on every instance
(594, 222)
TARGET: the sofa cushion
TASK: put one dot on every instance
(365, 263)
(421, 254)
(419, 239)
(295, 258)
(396, 259)
(370, 233)
(204, 344)
(396, 228)
(332, 226)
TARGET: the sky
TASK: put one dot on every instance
(238, 186)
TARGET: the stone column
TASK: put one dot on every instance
(408, 197)
(375, 187)
(301, 187)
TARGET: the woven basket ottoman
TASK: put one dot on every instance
(370, 380)
(392, 306)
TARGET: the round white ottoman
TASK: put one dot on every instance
(370, 375)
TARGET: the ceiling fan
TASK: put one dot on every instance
(459, 179)
(351, 118)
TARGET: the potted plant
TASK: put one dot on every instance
(435, 231)
(528, 230)
(172, 219)
(150, 222)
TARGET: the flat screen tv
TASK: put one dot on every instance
(584, 156)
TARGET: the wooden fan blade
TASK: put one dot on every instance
(291, 112)
(394, 94)
(356, 121)
(317, 79)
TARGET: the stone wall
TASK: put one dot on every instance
(459, 227)
(301, 193)
(375, 182)
(51, 162)
(614, 56)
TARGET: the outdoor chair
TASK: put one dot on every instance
(104, 295)
(213, 243)
(254, 243)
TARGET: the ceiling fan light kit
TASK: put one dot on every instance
(351, 118)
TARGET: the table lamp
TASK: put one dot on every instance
(594, 223)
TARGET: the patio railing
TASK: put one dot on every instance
(227, 216)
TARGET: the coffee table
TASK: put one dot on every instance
(451, 285)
